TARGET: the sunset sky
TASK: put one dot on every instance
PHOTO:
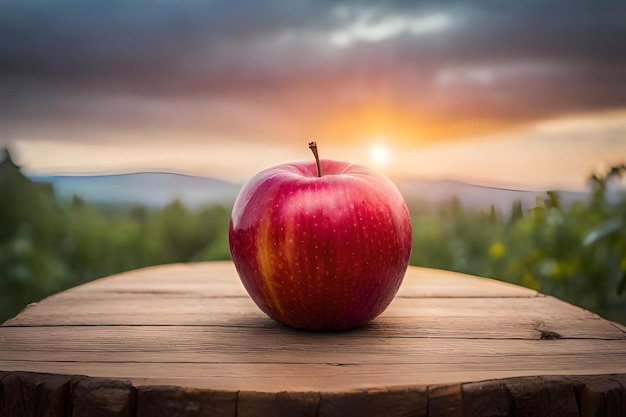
(526, 93)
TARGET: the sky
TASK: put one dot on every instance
(526, 93)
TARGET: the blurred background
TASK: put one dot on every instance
(128, 127)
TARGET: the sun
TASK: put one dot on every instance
(380, 154)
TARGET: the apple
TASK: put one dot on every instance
(320, 245)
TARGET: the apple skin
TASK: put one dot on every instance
(325, 252)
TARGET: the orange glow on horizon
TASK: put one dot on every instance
(406, 127)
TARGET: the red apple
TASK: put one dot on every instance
(320, 245)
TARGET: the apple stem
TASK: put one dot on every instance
(313, 148)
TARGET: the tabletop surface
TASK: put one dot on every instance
(194, 326)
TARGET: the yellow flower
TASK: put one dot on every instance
(497, 250)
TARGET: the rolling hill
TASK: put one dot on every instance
(157, 189)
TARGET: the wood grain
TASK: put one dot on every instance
(186, 340)
(486, 398)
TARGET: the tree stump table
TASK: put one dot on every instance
(186, 340)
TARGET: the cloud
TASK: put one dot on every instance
(366, 27)
(213, 66)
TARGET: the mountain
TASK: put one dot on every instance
(479, 196)
(155, 189)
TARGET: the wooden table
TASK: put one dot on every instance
(186, 340)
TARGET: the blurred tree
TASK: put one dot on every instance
(605, 244)
(29, 229)
(517, 212)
